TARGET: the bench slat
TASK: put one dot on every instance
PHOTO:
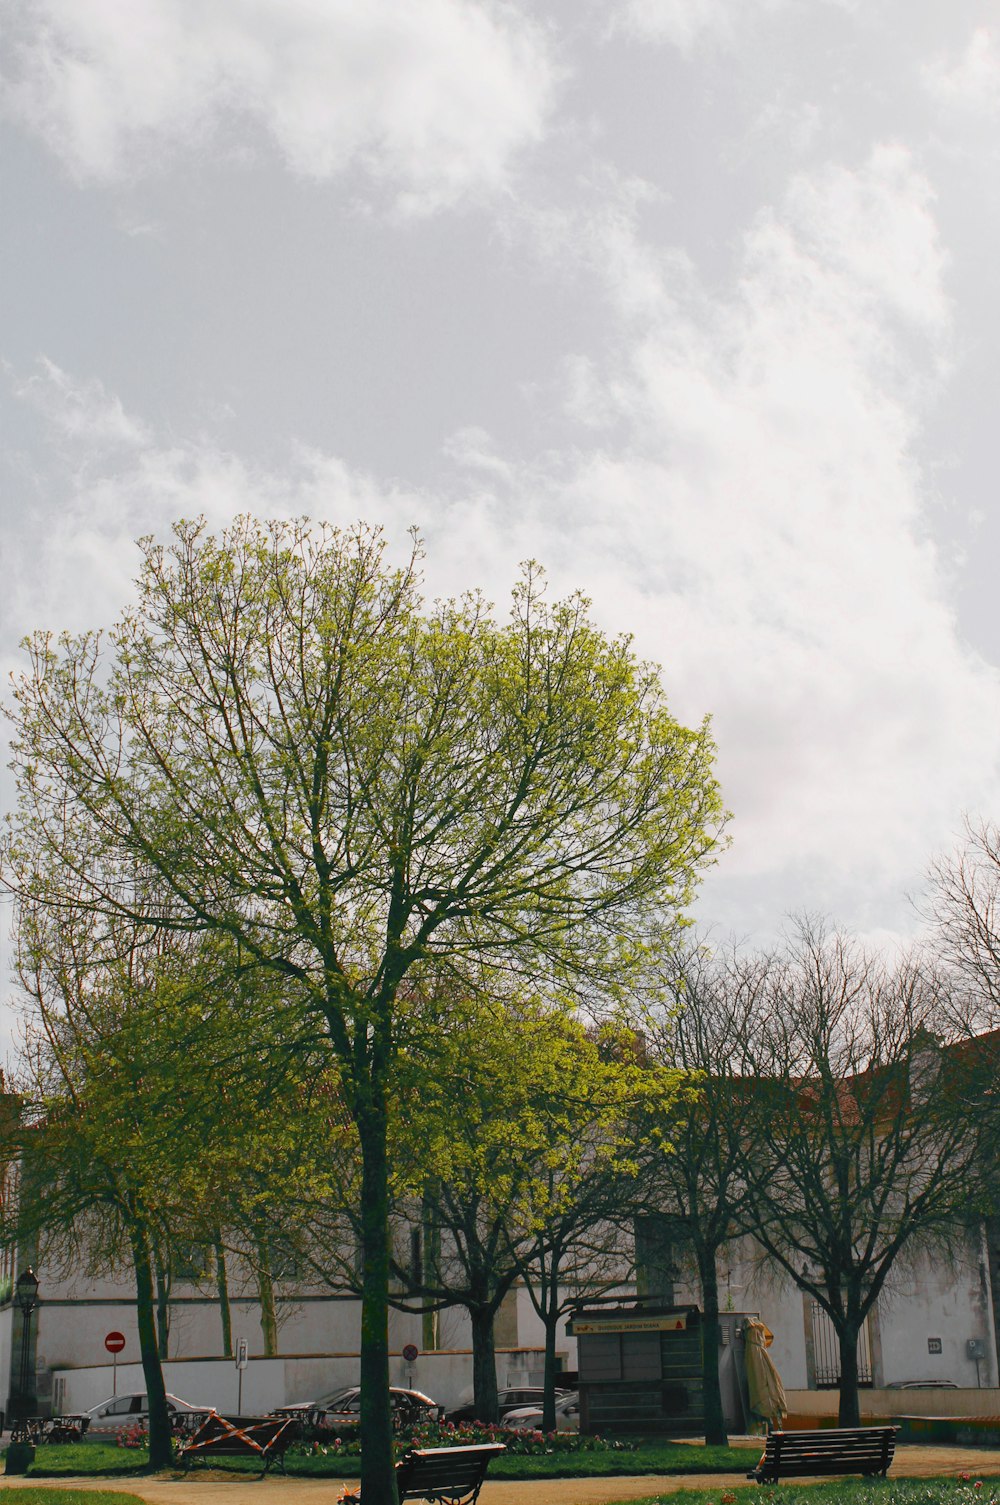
(830, 1450)
(454, 1475)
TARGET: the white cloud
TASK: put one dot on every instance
(757, 514)
(434, 99)
(82, 411)
(686, 23)
(972, 82)
(743, 494)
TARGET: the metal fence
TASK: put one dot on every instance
(826, 1351)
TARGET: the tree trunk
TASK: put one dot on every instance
(431, 1230)
(265, 1293)
(160, 1449)
(225, 1310)
(551, 1321)
(715, 1418)
(378, 1478)
(162, 1310)
(484, 1363)
(849, 1413)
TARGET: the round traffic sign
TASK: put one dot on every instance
(114, 1342)
(410, 1352)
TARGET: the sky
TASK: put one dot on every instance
(694, 301)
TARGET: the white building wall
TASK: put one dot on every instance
(930, 1296)
(944, 1299)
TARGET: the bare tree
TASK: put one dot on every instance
(705, 1173)
(863, 1145)
(964, 906)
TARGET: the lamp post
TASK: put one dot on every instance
(26, 1297)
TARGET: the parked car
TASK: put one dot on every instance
(921, 1385)
(529, 1418)
(123, 1410)
(343, 1406)
(509, 1400)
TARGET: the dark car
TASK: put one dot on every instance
(509, 1400)
(341, 1407)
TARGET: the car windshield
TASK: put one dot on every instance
(340, 1400)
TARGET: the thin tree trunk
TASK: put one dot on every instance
(160, 1449)
(849, 1414)
(430, 1323)
(162, 1310)
(715, 1416)
(265, 1294)
(378, 1477)
(225, 1310)
(484, 1363)
(551, 1321)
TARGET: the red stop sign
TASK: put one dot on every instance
(114, 1342)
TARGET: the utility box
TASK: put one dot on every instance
(640, 1368)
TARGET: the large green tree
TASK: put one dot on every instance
(295, 751)
(107, 1113)
(521, 1116)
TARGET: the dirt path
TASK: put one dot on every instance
(221, 1489)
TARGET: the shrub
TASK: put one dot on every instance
(346, 1441)
(135, 1435)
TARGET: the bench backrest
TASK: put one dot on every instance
(854, 1449)
(251, 1433)
(450, 1471)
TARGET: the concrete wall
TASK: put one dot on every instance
(883, 1405)
(944, 1298)
(446, 1377)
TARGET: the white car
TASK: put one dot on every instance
(529, 1418)
(123, 1410)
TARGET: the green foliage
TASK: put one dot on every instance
(283, 746)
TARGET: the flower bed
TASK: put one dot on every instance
(346, 1442)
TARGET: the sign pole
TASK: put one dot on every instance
(114, 1343)
(241, 1364)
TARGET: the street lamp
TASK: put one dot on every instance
(26, 1297)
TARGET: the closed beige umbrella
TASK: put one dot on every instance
(767, 1394)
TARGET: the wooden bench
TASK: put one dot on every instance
(453, 1476)
(265, 1438)
(834, 1450)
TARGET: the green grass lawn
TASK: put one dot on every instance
(841, 1492)
(97, 1459)
(29, 1494)
(90, 1459)
(661, 1458)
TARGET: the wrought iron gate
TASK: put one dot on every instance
(826, 1351)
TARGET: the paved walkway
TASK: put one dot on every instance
(207, 1488)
